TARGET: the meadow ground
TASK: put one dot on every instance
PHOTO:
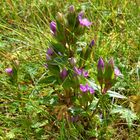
(29, 106)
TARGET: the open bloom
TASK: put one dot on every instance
(117, 72)
(53, 27)
(81, 72)
(86, 88)
(9, 71)
(83, 21)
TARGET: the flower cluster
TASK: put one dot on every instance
(61, 53)
(107, 74)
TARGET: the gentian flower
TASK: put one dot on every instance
(83, 88)
(86, 88)
(9, 71)
(63, 73)
(85, 73)
(83, 21)
(117, 72)
(50, 51)
(100, 64)
(80, 15)
(53, 27)
(78, 71)
(71, 9)
(91, 90)
(91, 43)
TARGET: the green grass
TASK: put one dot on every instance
(25, 110)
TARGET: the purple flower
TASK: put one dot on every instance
(9, 71)
(81, 72)
(63, 73)
(86, 88)
(50, 51)
(53, 27)
(91, 90)
(83, 88)
(78, 71)
(84, 22)
(85, 73)
(100, 64)
(80, 15)
(117, 72)
(111, 62)
(92, 43)
(71, 9)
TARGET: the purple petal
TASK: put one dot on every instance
(50, 51)
(83, 88)
(85, 73)
(91, 90)
(53, 27)
(80, 15)
(78, 71)
(84, 22)
(117, 72)
(92, 43)
(9, 71)
(71, 9)
(100, 64)
(63, 73)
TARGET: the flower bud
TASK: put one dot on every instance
(91, 43)
(60, 17)
(63, 74)
(72, 61)
(50, 51)
(100, 70)
(100, 64)
(53, 27)
(71, 9)
(9, 71)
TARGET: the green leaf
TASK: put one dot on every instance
(126, 114)
(48, 80)
(116, 94)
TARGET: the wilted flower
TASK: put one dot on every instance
(63, 73)
(71, 9)
(100, 64)
(53, 27)
(72, 61)
(9, 71)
